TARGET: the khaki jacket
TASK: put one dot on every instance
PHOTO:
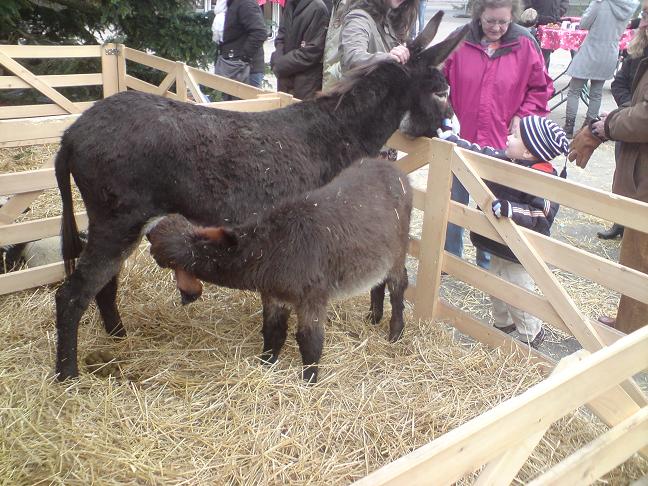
(630, 126)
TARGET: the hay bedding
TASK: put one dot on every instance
(189, 403)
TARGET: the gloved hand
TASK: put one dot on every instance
(444, 134)
(582, 146)
(502, 208)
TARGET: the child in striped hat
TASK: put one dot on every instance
(533, 144)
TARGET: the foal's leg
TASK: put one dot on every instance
(397, 283)
(98, 264)
(275, 327)
(311, 315)
(377, 303)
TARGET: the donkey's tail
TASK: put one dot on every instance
(71, 243)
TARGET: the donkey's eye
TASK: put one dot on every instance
(442, 94)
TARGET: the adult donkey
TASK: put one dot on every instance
(219, 167)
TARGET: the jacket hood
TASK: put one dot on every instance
(623, 9)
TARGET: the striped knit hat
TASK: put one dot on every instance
(543, 137)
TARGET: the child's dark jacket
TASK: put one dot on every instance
(529, 211)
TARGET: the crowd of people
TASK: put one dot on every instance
(499, 90)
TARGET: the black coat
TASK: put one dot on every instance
(622, 84)
(299, 47)
(549, 11)
(244, 31)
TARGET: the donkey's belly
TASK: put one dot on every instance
(362, 282)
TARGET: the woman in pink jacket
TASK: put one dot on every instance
(496, 77)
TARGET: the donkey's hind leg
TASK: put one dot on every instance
(275, 327)
(376, 307)
(98, 264)
(107, 303)
(397, 283)
(311, 317)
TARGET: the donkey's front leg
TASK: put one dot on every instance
(311, 316)
(275, 327)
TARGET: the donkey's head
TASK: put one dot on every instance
(428, 90)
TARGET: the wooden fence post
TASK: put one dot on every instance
(181, 85)
(435, 219)
(109, 71)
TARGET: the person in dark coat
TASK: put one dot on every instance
(239, 40)
(299, 47)
(549, 12)
(622, 89)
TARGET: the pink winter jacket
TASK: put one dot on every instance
(486, 93)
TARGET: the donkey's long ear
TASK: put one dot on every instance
(221, 234)
(427, 35)
(438, 53)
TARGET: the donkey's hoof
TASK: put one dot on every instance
(188, 298)
(374, 317)
(268, 359)
(102, 364)
(67, 373)
(395, 336)
(309, 374)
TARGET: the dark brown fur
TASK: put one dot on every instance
(136, 156)
(337, 241)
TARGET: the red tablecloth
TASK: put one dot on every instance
(571, 40)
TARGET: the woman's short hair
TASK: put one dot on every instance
(480, 5)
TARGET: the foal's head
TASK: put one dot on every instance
(428, 88)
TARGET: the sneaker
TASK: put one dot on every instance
(537, 341)
(507, 329)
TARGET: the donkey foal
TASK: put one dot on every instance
(337, 241)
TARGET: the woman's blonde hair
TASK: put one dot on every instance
(480, 5)
(639, 42)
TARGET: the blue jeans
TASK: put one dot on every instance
(454, 233)
(256, 80)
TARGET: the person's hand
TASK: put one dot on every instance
(502, 208)
(444, 133)
(400, 53)
(598, 127)
(515, 123)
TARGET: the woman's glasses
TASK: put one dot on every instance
(496, 22)
(644, 14)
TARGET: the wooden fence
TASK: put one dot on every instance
(502, 438)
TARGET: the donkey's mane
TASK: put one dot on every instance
(351, 78)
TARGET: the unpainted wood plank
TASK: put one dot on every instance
(503, 469)
(53, 80)
(517, 241)
(31, 141)
(109, 73)
(13, 208)
(139, 85)
(27, 181)
(29, 111)
(198, 96)
(464, 449)
(603, 204)
(49, 52)
(34, 128)
(149, 60)
(36, 229)
(37, 83)
(609, 274)
(229, 86)
(601, 455)
(166, 83)
(31, 277)
(433, 231)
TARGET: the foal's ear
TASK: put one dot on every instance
(435, 55)
(221, 234)
(426, 35)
